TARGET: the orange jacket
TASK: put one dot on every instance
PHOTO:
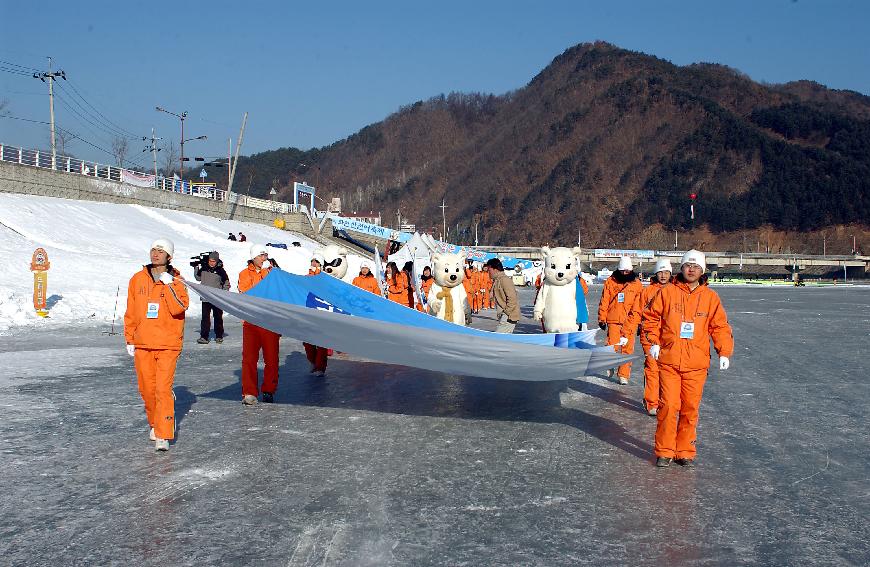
(646, 297)
(251, 276)
(627, 312)
(425, 285)
(468, 283)
(368, 283)
(676, 304)
(166, 330)
(398, 292)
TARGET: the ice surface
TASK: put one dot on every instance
(385, 465)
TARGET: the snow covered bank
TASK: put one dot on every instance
(94, 248)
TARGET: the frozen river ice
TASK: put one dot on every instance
(386, 465)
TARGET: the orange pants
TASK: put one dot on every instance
(317, 356)
(614, 332)
(650, 381)
(155, 372)
(254, 339)
(678, 411)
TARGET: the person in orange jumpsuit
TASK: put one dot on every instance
(408, 270)
(489, 299)
(366, 279)
(426, 281)
(678, 324)
(619, 312)
(254, 338)
(480, 287)
(397, 284)
(154, 331)
(317, 356)
(661, 277)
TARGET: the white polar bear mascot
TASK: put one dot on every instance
(334, 260)
(556, 304)
(447, 297)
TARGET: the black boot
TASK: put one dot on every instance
(688, 463)
(663, 462)
(268, 397)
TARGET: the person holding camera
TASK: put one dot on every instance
(208, 269)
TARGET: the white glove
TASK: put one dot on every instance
(131, 350)
(724, 363)
(654, 351)
(166, 278)
(538, 315)
(622, 341)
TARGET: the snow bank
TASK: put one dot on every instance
(94, 249)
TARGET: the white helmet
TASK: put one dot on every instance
(164, 244)
(694, 257)
(663, 265)
(625, 264)
(365, 264)
(257, 249)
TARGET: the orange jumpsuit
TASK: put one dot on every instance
(368, 283)
(256, 338)
(650, 366)
(488, 299)
(425, 285)
(620, 308)
(398, 291)
(318, 356)
(684, 359)
(154, 324)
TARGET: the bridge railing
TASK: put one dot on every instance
(71, 165)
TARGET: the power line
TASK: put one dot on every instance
(14, 71)
(26, 68)
(99, 125)
(73, 87)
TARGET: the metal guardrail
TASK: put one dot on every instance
(68, 164)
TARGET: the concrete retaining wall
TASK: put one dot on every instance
(28, 180)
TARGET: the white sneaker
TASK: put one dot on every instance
(161, 444)
(653, 411)
(151, 435)
(610, 373)
(623, 381)
(320, 373)
(249, 400)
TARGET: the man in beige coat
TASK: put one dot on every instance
(507, 305)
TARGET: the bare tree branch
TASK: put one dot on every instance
(169, 159)
(120, 146)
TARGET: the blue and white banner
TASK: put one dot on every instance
(617, 253)
(369, 228)
(355, 321)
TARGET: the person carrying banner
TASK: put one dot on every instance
(678, 324)
(397, 284)
(507, 311)
(426, 281)
(408, 270)
(661, 277)
(154, 331)
(317, 355)
(619, 312)
(366, 279)
(254, 338)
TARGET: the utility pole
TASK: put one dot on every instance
(233, 165)
(51, 77)
(153, 149)
(398, 219)
(443, 220)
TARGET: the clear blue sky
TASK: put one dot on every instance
(313, 73)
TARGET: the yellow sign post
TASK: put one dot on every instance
(39, 265)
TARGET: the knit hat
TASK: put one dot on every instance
(694, 257)
(625, 264)
(213, 255)
(257, 249)
(663, 265)
(164, 244)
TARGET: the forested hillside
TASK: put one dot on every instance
(606, 145)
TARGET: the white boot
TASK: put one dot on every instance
(161, 444)
(249, 400)
(623, 381)
(151, 435)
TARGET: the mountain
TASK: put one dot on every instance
(607, 145)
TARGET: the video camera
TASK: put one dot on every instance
(201, 260)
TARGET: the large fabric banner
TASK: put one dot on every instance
(137, 179)
(325, 311)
